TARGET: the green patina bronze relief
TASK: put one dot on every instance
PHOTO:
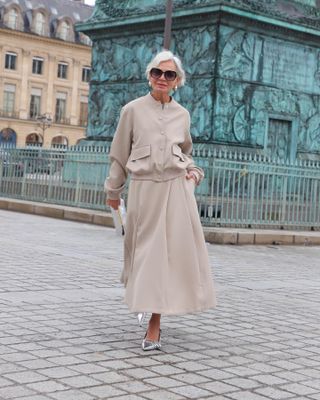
(253, 69)
(118, 76)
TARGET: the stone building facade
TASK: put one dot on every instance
(45, 68)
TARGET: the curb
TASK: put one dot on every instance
(235, 236)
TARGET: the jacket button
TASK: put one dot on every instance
(161, 148)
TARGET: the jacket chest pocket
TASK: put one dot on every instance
(139, 160)
(178, 156)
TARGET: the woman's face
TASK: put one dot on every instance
(161, 84)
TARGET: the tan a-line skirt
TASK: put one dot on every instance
(166, 267)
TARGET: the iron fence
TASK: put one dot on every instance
(239, 189)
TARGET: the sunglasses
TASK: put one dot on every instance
(156, 73)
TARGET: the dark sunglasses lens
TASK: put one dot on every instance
(170, 75)
(155, 73)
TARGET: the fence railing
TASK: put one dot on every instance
(239, 189)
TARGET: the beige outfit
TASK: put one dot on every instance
(166, 268)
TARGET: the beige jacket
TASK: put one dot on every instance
(152, 142)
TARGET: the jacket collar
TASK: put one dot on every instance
(157, 104)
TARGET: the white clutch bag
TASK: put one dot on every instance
(119, 218)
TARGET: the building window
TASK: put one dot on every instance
(86, 74)
(61, 102)
(10, 61)
(37, 65)
(62, 70)
(13, 19)
(9, 99)
(40, 24)
(64, 31)
(35, 103)
(83, 111)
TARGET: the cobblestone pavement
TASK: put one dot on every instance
(66, 334)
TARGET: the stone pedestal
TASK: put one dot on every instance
(253, 69)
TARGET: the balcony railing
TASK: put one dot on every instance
(9, 114)
(62, 121)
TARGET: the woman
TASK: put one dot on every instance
(166, 268)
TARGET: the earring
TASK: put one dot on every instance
(150, 84)
(176, 88)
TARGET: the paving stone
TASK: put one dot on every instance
(129, 397)
(166, 369)
(143, 362)
(115, 364)
(218, 387)
(243, 383)
(290, 376)
(11, 392)
(315, 383)
(58, 372)
(269, 380)
(64, 360)
(36, 364)
(71, 395)
(80, 381)
(215, 373)
(5, 382)
(141, 373)
(215, 397)
(161, 395)
(86, 369)
(191, 392)
(26, 377)
(245, 395)
(163, 382)
(191, 378)
(191, 366)
(274, 393)
(104, 392)
(47, 386)
(35, 397)
(299, 389)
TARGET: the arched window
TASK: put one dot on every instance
(8, 137)
(40, 24)
(59, 141)
(13, 19)
(64, 30)
(33, 139)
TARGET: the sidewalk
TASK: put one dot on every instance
(212, 235)
(65, 333)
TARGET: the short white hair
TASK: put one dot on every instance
(167, 55)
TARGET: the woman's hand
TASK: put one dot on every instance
(113, 203)
(190, 175)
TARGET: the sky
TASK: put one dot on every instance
(90, 2)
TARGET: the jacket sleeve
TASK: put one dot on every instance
(187, 151)
(119, 154)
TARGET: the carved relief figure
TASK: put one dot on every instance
(197, 46)
(237, 56)
(313, 133)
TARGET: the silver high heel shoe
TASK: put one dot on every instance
(151, 344)
(141, 317)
